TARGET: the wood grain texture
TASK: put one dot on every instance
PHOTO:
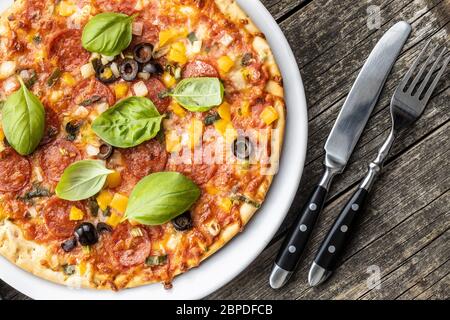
(405, 230)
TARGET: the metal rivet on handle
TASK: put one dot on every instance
(292, 249)
(303, 228)
(313, 207)
(331, 249)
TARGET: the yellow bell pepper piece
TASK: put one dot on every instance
(245, 109)
(169, 35)
(76, 214)
(177, 53)
(225, 64)
(114, 180)
(212, 190)
(82, 267)
(114, 219)
(269, 115)
(168, 79)
(225, 204)
(66, 8)
(68, 79)
(221, 126)
(195, 130)
(177, 109)
(121, 90)
(224, 111)
(104, 199)
(173, 141)
(119, 203)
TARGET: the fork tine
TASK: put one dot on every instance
(422, 70)
(413, 68)
(430, 73)
(435, 81)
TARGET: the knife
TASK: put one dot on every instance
(340, 144)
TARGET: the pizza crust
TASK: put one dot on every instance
(28, 255)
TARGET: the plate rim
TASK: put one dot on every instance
(38, 288)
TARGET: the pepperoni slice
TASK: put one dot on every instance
(56, 216)
(94, 90)
(127, 7)
(199, 68)
(52, 126)
(15, 171)
(56, 157)
(146, 158)
(66, 47)
(199, 173)
(155, 88)
(128, 250)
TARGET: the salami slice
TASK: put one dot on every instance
(56, 157)
(129, 250)
(128, 7)
(56, 216)
(66, 47)
(199, 68)
(52, 126)
(91, 91)
(146, 158)
(155, 88)
(199, 173)
(15, 171)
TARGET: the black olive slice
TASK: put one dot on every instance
(183, 222)
(105, 151)
(72, 129)
(242, 148)
(86, 234)
(142, 52)
(129, 70)
(69, 245)
(103, 228)
(153, 68)
(105, 73)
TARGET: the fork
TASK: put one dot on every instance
(407, 105)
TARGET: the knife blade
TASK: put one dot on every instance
(340, 144)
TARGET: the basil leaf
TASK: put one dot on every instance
(81, 180)
(23, 120)
(108, 33)
(160, 197)
(198, 94)
(129, 123)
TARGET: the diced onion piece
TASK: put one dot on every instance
(10, 85)
(108, 58)
(38, 174)
(102, 107)
(196, 46)
(275, 88)
(238, 80)
(33, 212)
(92, 150)
(81, 112)
(213, 228)
(137, 28)
(115, 69)
(7, 69)
(144, 75)
(87, 70)
(226, 40)
(140, 89)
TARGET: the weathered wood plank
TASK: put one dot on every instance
(280, 8)
(440, 291)
(427, 282)
(406, 212)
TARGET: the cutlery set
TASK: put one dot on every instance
(407, 105)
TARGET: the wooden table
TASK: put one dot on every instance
(404, 233)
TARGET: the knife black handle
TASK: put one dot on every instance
(334, 243)
(297, 237)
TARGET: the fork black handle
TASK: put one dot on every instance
(335, 242)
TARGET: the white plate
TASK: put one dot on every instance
(226, 264)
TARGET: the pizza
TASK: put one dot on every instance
(137, 137)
